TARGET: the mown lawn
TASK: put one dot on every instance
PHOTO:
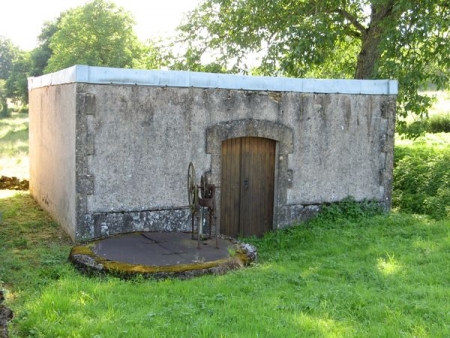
(14, 146)
(385, 275)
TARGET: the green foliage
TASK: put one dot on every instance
(438, 123)
(191, 60)
(153, 55)
(422, 180)
(96, 34)
(25, 64)
(349, 209)
(398, 39)
(42, 53)
(8, 54)
(3, 102)
(17, 83)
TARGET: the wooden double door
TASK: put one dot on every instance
(247, 186)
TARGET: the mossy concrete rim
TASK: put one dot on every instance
(87, 261)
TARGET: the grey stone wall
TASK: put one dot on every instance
(113, 158)
(139, 141)
(52, 152)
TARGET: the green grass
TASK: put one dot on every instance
(31, 243)
(14, 145)
(442, 104)
(370, 276)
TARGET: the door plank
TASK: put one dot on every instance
(230, 187)
(247, 186)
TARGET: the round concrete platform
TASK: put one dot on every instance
(161, 254)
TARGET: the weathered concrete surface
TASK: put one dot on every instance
(161, 255)
(52, 152)
(123, 151)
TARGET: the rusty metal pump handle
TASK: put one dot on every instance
(192, 188)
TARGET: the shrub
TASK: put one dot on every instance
(4, 110)
(438, 124)
(349, 209)
(422, 181)
(23, 109)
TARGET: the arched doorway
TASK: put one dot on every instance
(247, 186)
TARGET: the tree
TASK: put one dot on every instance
(42, 53)
(29, 64)
(96, 34)
(362, 39)
(17, 83)
(3, 102)
(186, 58)
(8, 53)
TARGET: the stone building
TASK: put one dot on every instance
(110, 148)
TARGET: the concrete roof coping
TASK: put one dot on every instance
(170, 78)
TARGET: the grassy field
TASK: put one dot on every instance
(348, 273)
(14, 146)
(442, 104)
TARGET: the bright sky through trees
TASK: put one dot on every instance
(22, 20)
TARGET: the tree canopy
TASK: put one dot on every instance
(96, 34)
(8, 54)
(363, 39)
(17, 83)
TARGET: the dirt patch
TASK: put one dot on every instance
(13, 183)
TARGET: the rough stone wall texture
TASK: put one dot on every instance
(127, 161)
(52, 152)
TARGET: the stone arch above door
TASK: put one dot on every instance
(253, 128)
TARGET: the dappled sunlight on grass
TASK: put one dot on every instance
(314, 326)
(14, 159)
(388, 265)
(438, 140)
(442, 104)
(7, 193)
(15, 166)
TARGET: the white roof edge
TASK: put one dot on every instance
(170, 78)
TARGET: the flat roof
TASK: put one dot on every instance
(171, 78)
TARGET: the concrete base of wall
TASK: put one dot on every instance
(173, 220)
(108, 224)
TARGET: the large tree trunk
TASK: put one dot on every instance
(367, 62)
